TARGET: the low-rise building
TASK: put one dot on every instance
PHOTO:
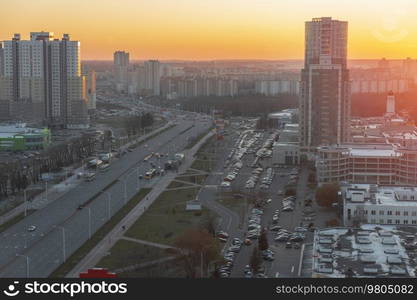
(373, 204)
(384, 164)
(366, 252)
(20, 138)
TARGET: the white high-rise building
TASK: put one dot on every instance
(42, 80)
(153, 77)
(121, 67)
(325, 87)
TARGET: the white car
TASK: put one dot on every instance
(225, 184)
(32, 228)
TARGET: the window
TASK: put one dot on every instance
(398, 213)
(405, 213)
(381, 221)
(373, 212)
(405, 221)
(414, 213)
(397, 221)
(381, 212)
(389, 221)
(414, 222)
(389, 213)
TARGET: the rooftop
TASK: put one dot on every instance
(371, 251)
(382, 195)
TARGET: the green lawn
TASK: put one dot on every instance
(168, 269)
(127, 253)
(78, 255)
(167, 218)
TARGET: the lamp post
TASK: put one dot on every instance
(63, 243)
(27, 263)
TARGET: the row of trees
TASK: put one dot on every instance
(134, 124)
(17, 174)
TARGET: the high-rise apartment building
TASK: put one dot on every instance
(325, 87)
(153, 77)
(121, 67)
(90, 86)
(41, 81)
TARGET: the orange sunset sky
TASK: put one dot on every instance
(213, 29)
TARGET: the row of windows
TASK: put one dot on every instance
(391, 221)
(382, 213)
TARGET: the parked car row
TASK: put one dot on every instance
(229, 257)
(254, 224)
(267, 180)
(288, 203)
(253, 179)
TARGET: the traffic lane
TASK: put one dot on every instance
(44, 211)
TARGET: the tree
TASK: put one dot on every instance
(197, 249)
(263, 241)
(255, 259)
(209, 224)
(327, 194)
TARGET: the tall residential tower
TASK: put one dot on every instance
(325, 87)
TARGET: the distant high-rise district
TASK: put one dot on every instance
(41, 81)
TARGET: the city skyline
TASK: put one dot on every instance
(196, 30)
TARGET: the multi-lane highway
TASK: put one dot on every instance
(61, 228)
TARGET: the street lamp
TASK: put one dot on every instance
(108, 204)
(125, 189)
(27, 263)
(89, 222)
(63, 242)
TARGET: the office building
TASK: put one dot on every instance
(41, 81)
(325, 88)
(384, 205)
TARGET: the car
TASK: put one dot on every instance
(223, 234)
(275, 217)
(281, 238)
(275, 228)
(80, 207)
(300, 229)
(269, 200)
(247, 242)
(236, 241)
(225, 184)
(297, 246)
(247, 269)
(249, 274)
(288, 208)
(32, 228)
(288, 245)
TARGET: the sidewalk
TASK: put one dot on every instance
(104, 246)
(58, 190)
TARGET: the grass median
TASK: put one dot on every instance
(128, 253)
(78, 255)
(167, 218)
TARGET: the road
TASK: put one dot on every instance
(61, 224)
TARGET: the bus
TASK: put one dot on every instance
(89, 176)
(104, 167)
(150, 174)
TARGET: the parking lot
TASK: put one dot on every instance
(250, 172)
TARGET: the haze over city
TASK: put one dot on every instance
(208, 139)
(217, 29)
